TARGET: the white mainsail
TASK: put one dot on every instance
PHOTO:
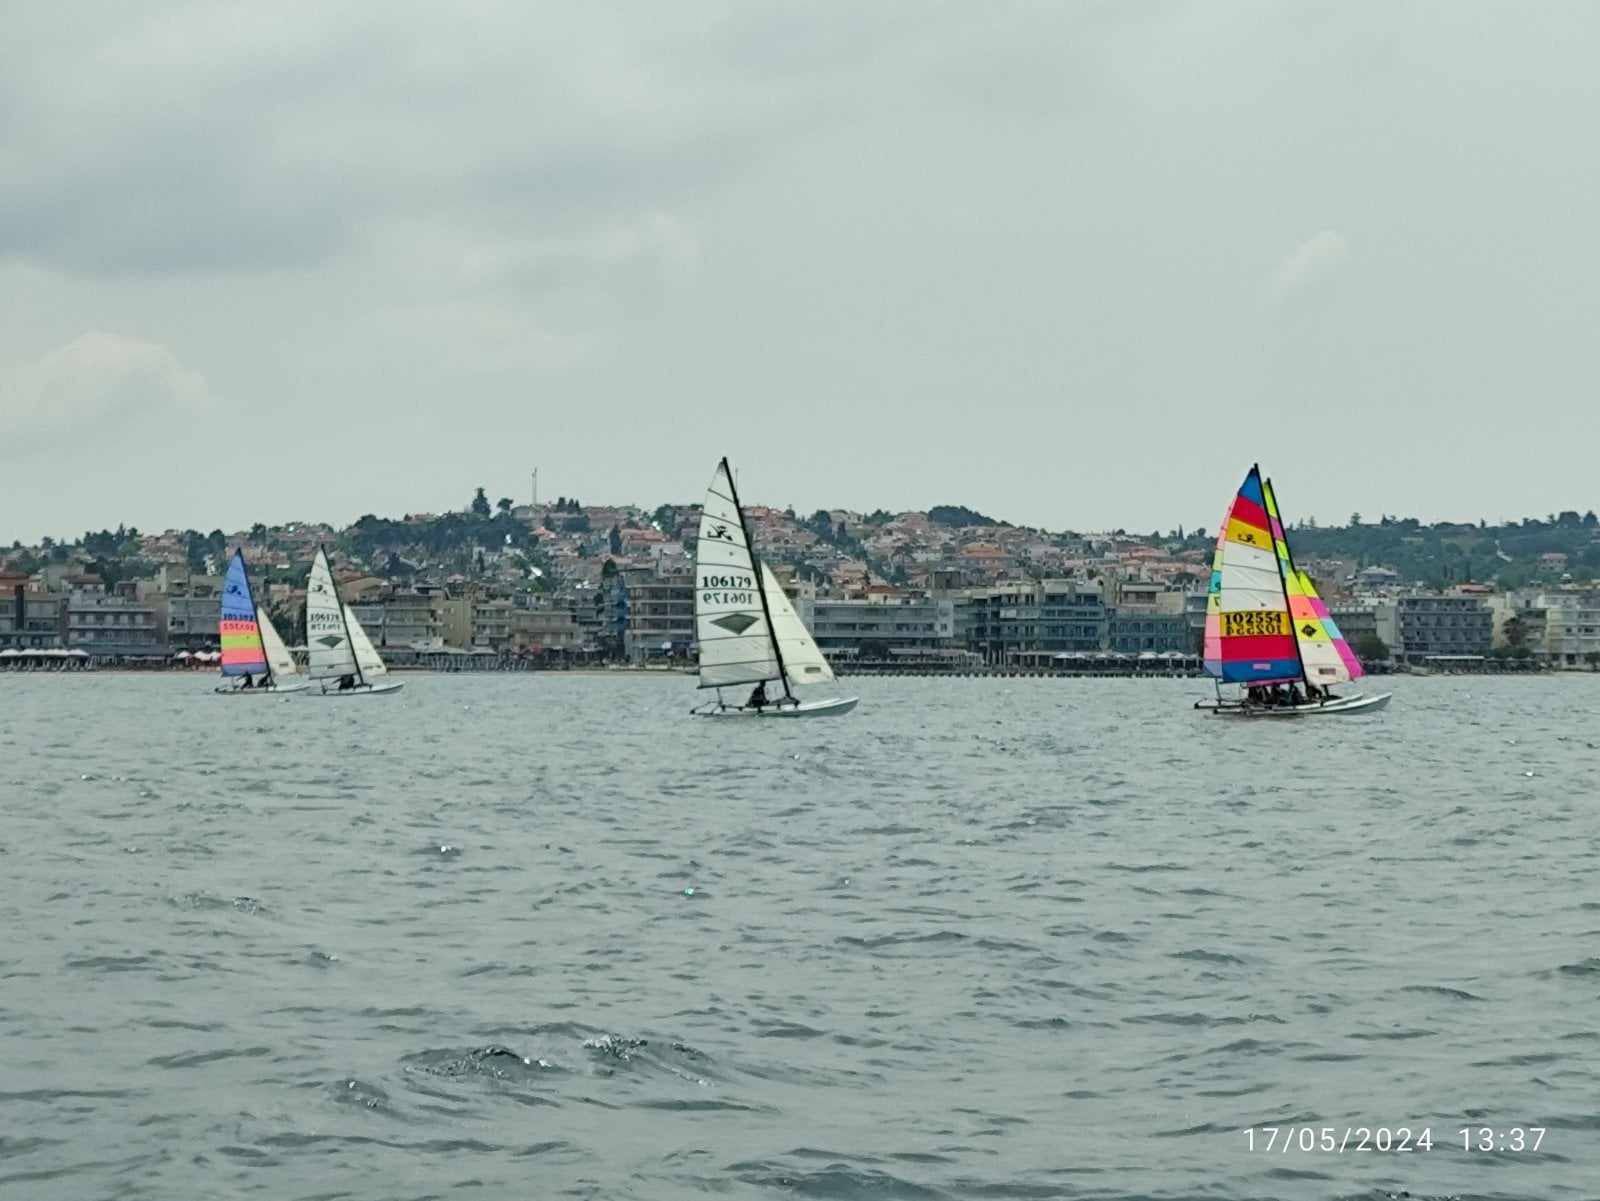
(326, 637)
(730, 624)
(366, 654)
(279, 660)
(802, 661)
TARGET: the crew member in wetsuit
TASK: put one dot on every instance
(758, 698)
(346, 683)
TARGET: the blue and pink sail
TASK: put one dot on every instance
(242, 650)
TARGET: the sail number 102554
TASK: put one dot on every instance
(1254, 622)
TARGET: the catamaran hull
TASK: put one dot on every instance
(1344, 706)
(834, 706)
(299, 686)
(363, 689)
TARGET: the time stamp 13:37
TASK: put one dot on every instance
(1282, 1140)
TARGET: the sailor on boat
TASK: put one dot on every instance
(758, 698)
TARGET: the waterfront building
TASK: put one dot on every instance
(536, 629)
(116, 626)
(1417, 627)
(1570, 636)
(1136, 632)
(455, 619)
(655, 611)
(373, 614)
(1358, 623)
(193, 609)
(491, 624)
(411, 618)
(1194, 622)
(873, 626)
(1043, 615)
(30, 618)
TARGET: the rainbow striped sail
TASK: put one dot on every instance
(1324, 653)
(242, 650)
(1247, 636)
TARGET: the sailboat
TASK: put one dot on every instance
(747, 630)
(1265, 623)
(340, 649)
(250, 645)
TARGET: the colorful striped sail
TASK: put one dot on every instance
(1247, 636)
(242, 650)
(1324, 652)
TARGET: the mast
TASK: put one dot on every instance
(260, 639)
(1276, 514)
(755, 569)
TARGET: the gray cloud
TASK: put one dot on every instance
(94, 392)
(1008, 254)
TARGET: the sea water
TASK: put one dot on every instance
(551, 936)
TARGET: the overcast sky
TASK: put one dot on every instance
(1076, 265)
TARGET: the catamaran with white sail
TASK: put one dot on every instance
(253, 656)
(343, 660)
(1267, 630)
(747, 630)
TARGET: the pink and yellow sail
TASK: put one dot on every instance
(1248, 638)
(1325, 655)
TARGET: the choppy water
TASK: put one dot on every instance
(549, 936)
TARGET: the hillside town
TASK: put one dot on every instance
(564, 584)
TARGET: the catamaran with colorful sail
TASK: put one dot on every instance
(342, 657)
(747, 630)
(1265, 624)
(253, 655)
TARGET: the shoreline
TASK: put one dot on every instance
(994, 673)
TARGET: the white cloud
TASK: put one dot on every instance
(1316, 259)
(93, 390)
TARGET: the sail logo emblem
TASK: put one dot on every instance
(234, 590)
(1308, 630)
(720, 531)
(735, 623)
(330, 640)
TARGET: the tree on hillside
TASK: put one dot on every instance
(959, 515)
(504, 504)
(480, 503)
(1370, 647)
(615, 541)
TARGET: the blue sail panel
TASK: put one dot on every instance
(242, 652)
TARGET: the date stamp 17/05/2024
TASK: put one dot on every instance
(1309, 1140)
